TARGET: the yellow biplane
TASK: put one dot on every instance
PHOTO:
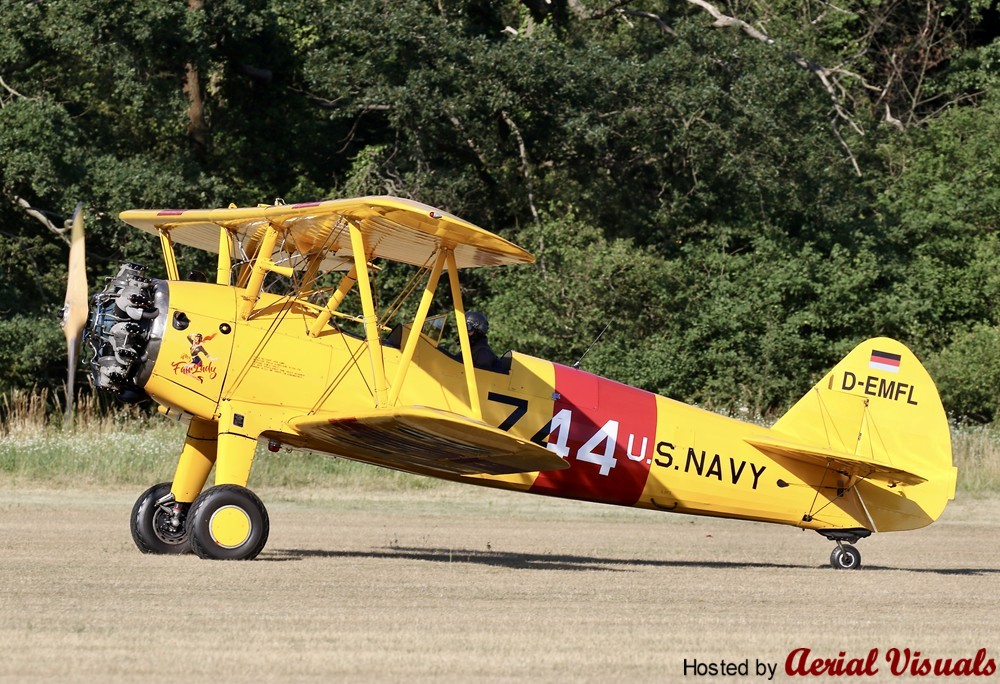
(242, 361)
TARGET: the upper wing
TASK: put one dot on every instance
(394, 228)
(426, 440)
(838, 459)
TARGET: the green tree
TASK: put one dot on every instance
(742, 202)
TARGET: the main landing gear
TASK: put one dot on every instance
(226, 522)
(845, 556)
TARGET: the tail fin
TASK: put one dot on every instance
(877, 415)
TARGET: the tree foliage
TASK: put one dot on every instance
(737, 192)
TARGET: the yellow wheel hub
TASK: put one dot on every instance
(230, 527)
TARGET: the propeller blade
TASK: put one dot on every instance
(75, 308)
(72, 354)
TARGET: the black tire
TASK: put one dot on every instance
(845, 557)
(152, 529)
(228, 522)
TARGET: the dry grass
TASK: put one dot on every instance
(104, 448)
(463, 584)
(24, 413)
(976, 453)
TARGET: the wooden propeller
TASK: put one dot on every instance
(75, 309)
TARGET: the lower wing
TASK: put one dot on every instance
(425, 439)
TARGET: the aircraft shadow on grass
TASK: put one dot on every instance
(534, 561)
(510, 559)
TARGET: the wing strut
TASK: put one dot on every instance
(370, 318)
(463, 336)
(336, 299)
(169, 258)
(418, 325)
(261, 266)
(224, 265)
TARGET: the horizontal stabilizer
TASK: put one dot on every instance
(838, 460)
(424, 439)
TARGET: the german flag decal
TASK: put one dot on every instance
(884, 361)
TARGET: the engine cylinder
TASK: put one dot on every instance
(124, 331)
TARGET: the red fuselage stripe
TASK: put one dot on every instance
(595, 405)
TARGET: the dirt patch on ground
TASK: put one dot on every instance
(465, 584)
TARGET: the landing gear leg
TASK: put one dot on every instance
(197, 458)
(228, 521)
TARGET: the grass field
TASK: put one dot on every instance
(373, 576)
(460, 584)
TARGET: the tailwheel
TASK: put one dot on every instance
(845, 557)
(228, 522)
(159, 523)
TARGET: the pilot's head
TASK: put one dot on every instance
(477, 324)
